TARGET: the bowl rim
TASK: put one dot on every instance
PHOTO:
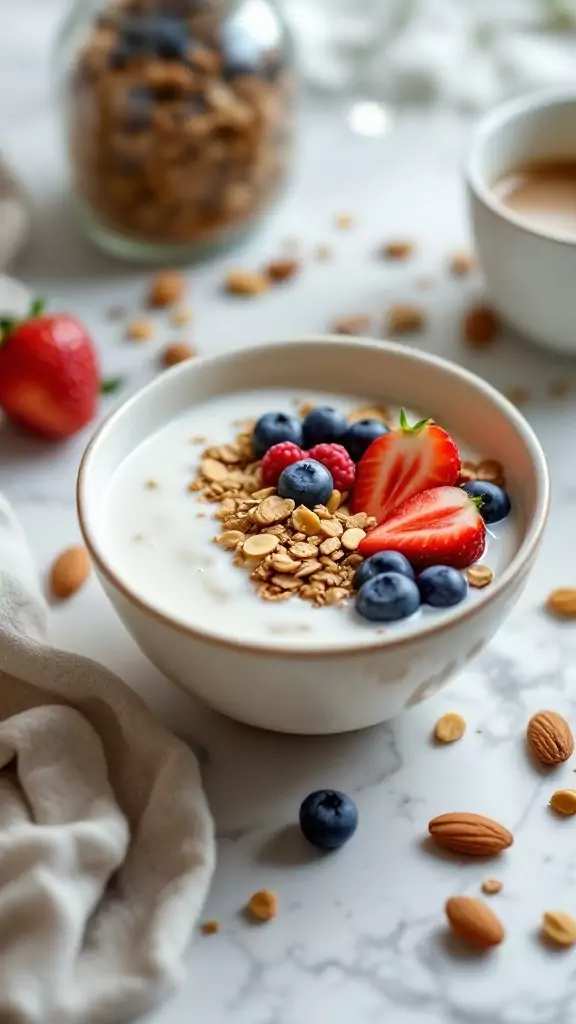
(454, 616)
(504, 114)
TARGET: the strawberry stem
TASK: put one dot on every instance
(9, 323)
(405, 426)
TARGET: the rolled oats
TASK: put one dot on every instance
(332, 528)
(302, 550)
(351, 538)
(230, 539)
(329, 545)
(273, 510)
(213, 470)
(308, 568)
(305, 520)
(286, 582)
(259, 545)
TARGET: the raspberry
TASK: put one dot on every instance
(337, 460)
(277, 458)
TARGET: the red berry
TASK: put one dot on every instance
(335, 458)
(277, 458)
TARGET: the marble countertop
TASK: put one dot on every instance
(361, 935)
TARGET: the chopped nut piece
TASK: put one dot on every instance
(282, 270)
(559, 927)
(176, 353)
(404, 319)
(344, 221)
(351, 538)
(359, 323)
(450, 727)
(480, 326)
(140, 330)
(562, 603)
(462, 263)
(182, 316)
(260, 545)
(308, 568)
(284, 564)
(305, 520)
(246, 282)
(263, 905)
(167, 288)
(323, 253)
(397, 249)
(210, 928)
(491, 886)
(479, 576)
(564, 801)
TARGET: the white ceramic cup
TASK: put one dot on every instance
(346, 684)
(530, 274)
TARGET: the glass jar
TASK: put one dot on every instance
(179, 120)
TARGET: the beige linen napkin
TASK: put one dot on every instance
(106, 841)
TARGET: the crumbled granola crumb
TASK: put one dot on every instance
(491, 886)
(151, 485)
(140, 329)
(406, 319)
(518, 395)
(397, 249)
(323, 253)
(210, 928)
(358, 323)
(462, 263)
(177, 352)
(344, 221)
(246, 282)
(166, 289)
(282, 270)
(559, 388)
(182, 316)
(480, 326)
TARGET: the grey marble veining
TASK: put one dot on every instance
(361, 936)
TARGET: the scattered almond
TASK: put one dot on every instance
(462, 263)
(140, 330)
(559, 927)
(472, 834)
(167, 288)
(176, 353)
(397, 249)
(405, 319)
(564, 801)
(69, 572)
(246, 282)
(263, 905)
(492, 886)
(358, 323)
(480, 326)
(450, 727)
(210, 928)
(562, 602)
(550, 738)
(282, 270)
(471, 920)
(479, 576)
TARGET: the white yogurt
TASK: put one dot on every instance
(160, 539)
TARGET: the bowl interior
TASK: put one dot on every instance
(381, 372)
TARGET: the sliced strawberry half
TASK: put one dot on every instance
(402, 463)
(440, 526)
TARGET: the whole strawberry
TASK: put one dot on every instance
(49, 378)
(277, 458)
(335, 458)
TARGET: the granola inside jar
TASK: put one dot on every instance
(179, 117)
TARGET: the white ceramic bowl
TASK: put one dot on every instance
(529, 273)
(347, 685)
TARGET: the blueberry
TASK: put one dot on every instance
(360, 435)
(495, 501)
(441, 586)
(323, 425)
(382, 561)
(272, 428)
(388, 597)
(328, 818)
(307, 482)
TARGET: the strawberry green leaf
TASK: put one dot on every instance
(37, 306)
(405, 426)
(111, 385)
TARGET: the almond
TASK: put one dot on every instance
(563, 801)
(472, 834)
(562, 603)
(263, 905)
(450, 727)
(474, 922)
(69, 572)
(549, 738)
